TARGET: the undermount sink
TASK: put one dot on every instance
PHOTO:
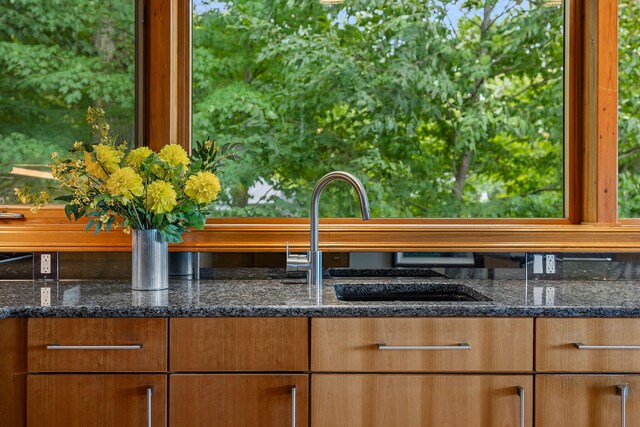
(408, 292)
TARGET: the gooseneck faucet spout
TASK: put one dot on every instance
(315, 200)
(312, 262)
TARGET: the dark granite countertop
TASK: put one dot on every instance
(290, 297)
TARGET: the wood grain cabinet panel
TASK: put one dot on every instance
(98, 400)
(232, 400)
(586, 401)
(353, 344)
(369, 400)
(239, 344)
(13, 372)
(150, 335)
(556, 349)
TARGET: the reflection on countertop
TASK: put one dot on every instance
(289, 296)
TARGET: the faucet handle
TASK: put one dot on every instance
(296, 262)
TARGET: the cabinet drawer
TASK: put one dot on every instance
(608, 345)
(97, 345)
(239, 344)
(231, 400)
(422, 345)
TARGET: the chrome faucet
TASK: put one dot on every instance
(311, 262)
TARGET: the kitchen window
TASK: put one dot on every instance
(589, 221)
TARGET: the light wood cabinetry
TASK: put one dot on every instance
(97, 345)
(608, 345)
(586, 400)
(234, 358)
(456, 345)
(400, 356)
(231, 400)
(239, 344)
(575, 353)
(116, 387)
(13, 372)
(371, 400)
(80, 400)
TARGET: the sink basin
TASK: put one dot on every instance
(408, 292)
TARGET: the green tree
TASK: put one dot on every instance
(444, 109)
(58, 57)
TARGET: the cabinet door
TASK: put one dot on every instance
(238, 400)
(13, 368)
(587, 400)
(96, 400)
(371, 400)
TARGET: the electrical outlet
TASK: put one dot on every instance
(550, 264)
(45, 263)
(550, 294)
(45, 297)
(45, 266)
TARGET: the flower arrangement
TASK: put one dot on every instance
(169, 191)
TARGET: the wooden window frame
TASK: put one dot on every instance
(591, 223)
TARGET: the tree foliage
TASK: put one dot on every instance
(443, 109)
(58, 57)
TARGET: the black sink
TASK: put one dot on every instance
(408, 292)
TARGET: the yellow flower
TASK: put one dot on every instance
(174, 155)
(202, 187)
(161, 197)
(137, 156)
(108, 156)
(126, 183)
(93, 168)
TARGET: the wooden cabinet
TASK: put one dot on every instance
(97, 345)
(587, 400)
(13, 372)
(579, 351)
(234, 358)
(240, 344)
(400, 355)
(370, 400)
(588, 345)
(97, 372)
(231, 400)
(106, 400)
(448, 345)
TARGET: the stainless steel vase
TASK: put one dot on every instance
(149, 261)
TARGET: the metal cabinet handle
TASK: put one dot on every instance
(11, 215)
(581, 346)
(94, 347)
(293, 406)
(149, 397)
(623, 391)
(461, 346)
(520, 391)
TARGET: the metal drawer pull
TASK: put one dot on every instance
(293, 406)
(623, 392)
(461, 346)
(11, 215)
(94, 347)
(149, 397)
(520, 392)
(581, 346)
